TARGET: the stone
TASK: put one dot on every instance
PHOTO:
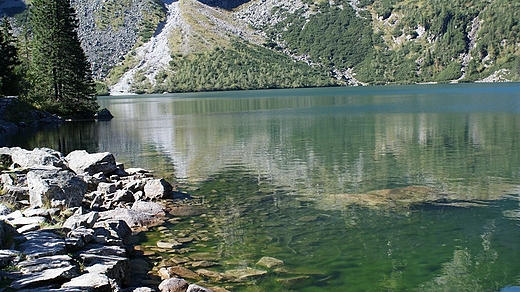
(90, 282)
(245, 274)
(155, 189)
(295, 282)
(36, 211)
(197, 288)
(22, 221)
(117, 229)
(181, 272)
(44, 277)
(106, 188)
(204, 256)
(138, 289)
(132, 217)
(269, 262)
(28, 228)
(42, 243)
(149, 208)
(85, 220)
(173, 285)
(37, 157)
(123, 196)
(216, 276)
(40, 264)
(168, 244)
(55, 188)
(103, 115)
(80, 161)
(114, 267)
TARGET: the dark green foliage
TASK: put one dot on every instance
(9, 79)
(242, 66)
(335, 37)
(60, 75)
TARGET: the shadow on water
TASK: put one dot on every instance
(65, 137)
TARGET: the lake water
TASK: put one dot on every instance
(278, 170)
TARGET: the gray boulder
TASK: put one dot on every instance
(112, 231)
(80, 161)
(85, 220)
(37, 157)
(155, 189)
(55, 187)
(132, 217)
(173, 285)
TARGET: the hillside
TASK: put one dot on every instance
(143, 46)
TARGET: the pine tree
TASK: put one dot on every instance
(9, 80)
(60, 72)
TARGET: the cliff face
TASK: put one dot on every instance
(109, 29)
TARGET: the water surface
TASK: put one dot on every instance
(273, 166)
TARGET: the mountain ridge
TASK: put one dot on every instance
(361, 42)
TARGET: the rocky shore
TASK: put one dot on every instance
(67, 222)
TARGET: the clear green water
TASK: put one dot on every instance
(271, 164)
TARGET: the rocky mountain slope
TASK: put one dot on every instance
(188, 45)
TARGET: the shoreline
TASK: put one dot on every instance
(69, 223)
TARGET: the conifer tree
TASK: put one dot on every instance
(9, 80)
(60, 72)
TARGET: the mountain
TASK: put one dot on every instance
(142, 46)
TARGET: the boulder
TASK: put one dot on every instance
(35, 158)
(55, 187)
(90, 282)
(80, 161)
(173, 285)
(114, 267)
(245, 274)
(269, 262)
(178, 271)
(155, 189)
(197, 288)
(132, 217)
(85, 220)
(108, 230)
(44, 277)
(103, 115)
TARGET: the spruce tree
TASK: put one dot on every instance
(9, 80)
(60, 72)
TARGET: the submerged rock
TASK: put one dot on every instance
(269, 262)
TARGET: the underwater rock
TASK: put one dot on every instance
(269, 262)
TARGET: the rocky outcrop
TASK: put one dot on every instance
(109, 29)
(84, 210)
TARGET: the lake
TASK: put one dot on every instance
(321, 179)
